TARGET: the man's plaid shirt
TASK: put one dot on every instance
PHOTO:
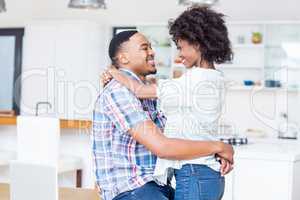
(121, 163)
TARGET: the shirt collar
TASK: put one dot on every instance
(131, 74)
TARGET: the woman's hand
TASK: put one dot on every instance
(106, 76)
(113, 70)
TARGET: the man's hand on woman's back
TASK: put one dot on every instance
(226, 152)
(226, 166)
(226, 158)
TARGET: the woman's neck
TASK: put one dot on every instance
(205, 64)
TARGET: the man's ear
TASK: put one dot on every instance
(123, 58)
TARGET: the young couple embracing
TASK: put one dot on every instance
(138, 148)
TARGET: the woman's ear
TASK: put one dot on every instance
(197, 47)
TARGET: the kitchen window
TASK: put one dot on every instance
(10, 69)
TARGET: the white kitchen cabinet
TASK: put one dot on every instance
(261, 179)
(62, 64)
(265, 171)
(228, 193)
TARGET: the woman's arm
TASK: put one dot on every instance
(140, 90)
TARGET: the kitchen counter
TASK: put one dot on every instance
(270, 149)
(64, 193)
(64, 123)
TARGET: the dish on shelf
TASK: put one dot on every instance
(248, 82)
(257, 133)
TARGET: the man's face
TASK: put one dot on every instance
(140, 55)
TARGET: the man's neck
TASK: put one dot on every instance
(141, 77)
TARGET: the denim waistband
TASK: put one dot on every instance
(202, 171)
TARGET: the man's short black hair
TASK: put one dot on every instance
(116, 43)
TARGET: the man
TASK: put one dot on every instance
(127, 132)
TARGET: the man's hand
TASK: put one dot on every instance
(226, 166)
(226, 153)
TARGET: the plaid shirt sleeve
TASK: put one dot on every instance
(124, 109)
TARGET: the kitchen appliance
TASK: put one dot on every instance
(227, 134)
(234, 140)
(286, 129)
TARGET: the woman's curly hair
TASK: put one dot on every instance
(206, 28)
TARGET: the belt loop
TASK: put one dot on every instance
(192, 169)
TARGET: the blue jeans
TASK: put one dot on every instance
(149, 191)
(198, 182)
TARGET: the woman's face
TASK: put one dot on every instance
(189, 55)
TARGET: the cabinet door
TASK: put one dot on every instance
(78, 62)
(281, 53)
(262, 179)
(228, 194)
(38, 66)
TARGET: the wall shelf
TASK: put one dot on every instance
(258, 46)
(236, 67)
(280, 68)
(262, 88)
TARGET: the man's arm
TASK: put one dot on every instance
(151, 137)
(125, 111)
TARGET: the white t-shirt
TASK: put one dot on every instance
(192, 105)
